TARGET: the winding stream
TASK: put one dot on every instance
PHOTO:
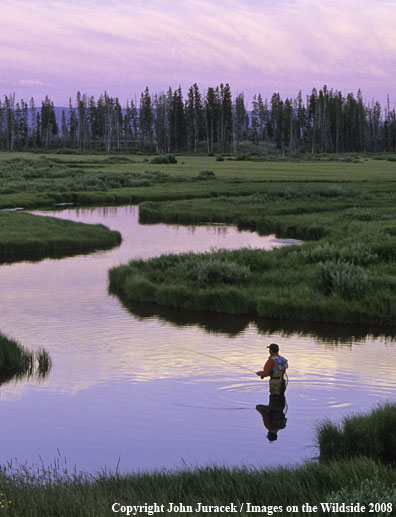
(122, 391)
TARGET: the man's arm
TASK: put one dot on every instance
(266, 371)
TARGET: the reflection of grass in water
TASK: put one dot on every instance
(16, 362)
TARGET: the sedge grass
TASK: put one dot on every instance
(18, 362)
(27, 236)
(371, 435)
(53, 491)
(341, 205)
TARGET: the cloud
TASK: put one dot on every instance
(30, 82)
(252, 44)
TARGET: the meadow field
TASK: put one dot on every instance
(341, 206)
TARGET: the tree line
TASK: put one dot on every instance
(212, 121)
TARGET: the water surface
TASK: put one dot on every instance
(124, 389)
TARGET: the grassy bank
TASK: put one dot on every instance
(370, 435)
(351, 283)
(44, 493)
(344, 274)
(41, 492)
(18, 362)
(27, 236)
(343, 205)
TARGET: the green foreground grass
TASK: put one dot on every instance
(338, 477)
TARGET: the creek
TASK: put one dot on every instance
(129, 386)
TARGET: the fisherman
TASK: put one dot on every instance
(275, 369)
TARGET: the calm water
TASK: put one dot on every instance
(124, 389)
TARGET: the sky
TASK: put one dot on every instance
(59, 47)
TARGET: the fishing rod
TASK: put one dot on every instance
(214, 357)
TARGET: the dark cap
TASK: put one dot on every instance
(273, 347)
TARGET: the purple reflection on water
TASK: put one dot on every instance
(122, 388)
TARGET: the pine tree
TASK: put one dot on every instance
(240, 121)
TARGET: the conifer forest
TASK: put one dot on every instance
(210, 121)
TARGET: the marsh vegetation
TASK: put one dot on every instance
(17, 362)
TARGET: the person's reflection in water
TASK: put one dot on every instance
(274, 418)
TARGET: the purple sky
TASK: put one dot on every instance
(61, 46)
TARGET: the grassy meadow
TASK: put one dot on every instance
(342, 206)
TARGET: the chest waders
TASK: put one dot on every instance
(277, 382)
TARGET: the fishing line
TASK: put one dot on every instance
(218, 358)
(208, 407)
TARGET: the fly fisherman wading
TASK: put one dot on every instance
(275, 368)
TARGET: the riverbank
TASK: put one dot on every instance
(358, 480)
(344, 207)
(348, 283)
(25, 236)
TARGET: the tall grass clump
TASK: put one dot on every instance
(357, 253)
(371, 435)
(17, 362)
(343, 277)
(214, 271)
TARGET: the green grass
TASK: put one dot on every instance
(27, 236)
(47, 492)
(306, 283)
(371, 435)
(340, 204)
(18, 362)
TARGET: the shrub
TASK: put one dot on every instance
(171, 158)
(206, 175)
(158, 160)
(219, 159)
(213, 271)
(166, 160)
(344, 277)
